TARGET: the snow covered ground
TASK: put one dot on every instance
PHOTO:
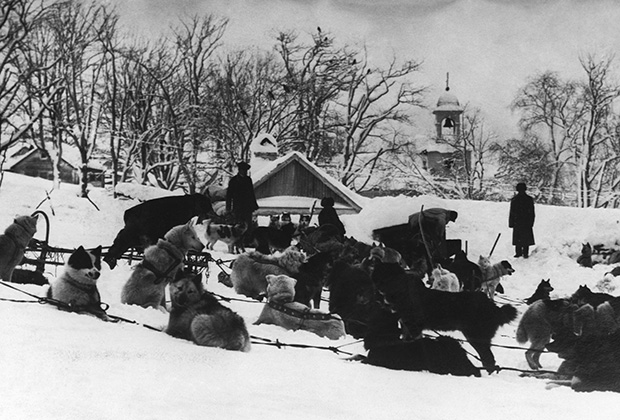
(58, 365)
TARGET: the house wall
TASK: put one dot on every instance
(295, 180)
(40, 166)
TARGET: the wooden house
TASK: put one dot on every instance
(293, 184)
(32, 161)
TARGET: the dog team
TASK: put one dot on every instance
(290, 282)
(195, 314)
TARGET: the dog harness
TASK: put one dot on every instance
(91, 290)
(162, 275)
(305, 314)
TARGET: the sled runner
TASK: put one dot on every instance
(40, 253)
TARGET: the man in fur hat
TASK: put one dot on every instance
(240, 198)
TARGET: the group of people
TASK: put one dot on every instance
(241, 203)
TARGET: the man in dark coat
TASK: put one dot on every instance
(240, 198)
(433, 223)
(149, 221)
(521, 220)
(329, 216)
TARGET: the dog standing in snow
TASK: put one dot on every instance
(492, 274)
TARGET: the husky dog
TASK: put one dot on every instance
(584, 295)
(250, 269)
(421, 308)
(147, 284)
(445, 280)
(542, 291)
(198, 316)
(231, 235)
(77, 285)
(281, 310)
(585, 259)
(542, 319)
(492, 274)
(14, 242)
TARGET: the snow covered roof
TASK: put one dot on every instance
(448, 102)
(70, 155)
(354, 202)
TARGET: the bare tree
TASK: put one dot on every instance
(249, 99)
(18, 112)
(376, 102)
(597, 95)
(548, 112)
(472, 147)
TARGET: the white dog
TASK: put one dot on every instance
(445, 280)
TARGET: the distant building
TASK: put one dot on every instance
(28, 160)
(437, 154)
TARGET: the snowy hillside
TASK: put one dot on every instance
(58, 365)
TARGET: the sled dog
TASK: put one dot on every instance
(542, 319)
(422, 308)
(77, 285)
(249, 270)
(231, 235)
(147, 284)
(445, 280)
(13, 243)
(198, 316)
(492, 274)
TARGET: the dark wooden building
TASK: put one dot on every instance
(35, 162)
(293, 184)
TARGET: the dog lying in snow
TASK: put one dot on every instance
(77, 285)
(198, 316)
(281, 310)
(249, 270)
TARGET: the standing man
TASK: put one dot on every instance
(240, 198)
(521, 220)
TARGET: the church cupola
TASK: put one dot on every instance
(448, 114)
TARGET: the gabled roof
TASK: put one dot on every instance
(354, 202)
(68, 156)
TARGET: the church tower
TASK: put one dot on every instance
(448, 114)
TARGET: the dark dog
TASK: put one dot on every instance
(468, 272)
(149, 221)
(542, 291)
(585, 259)
(352, 296)
(267, 239)
(421, 308)
(442, 355)
(311, 278)
(198, 316)
(584, 295)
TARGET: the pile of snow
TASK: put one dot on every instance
(59, 365)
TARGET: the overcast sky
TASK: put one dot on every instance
(489, 47)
